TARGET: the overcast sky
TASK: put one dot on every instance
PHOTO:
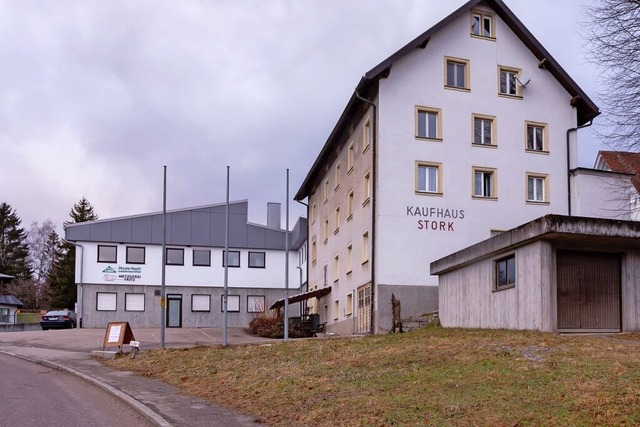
(96, 96)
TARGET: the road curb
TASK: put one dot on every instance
(143, 409)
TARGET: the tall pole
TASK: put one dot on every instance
(226, 266)
(163, 299)
(286, 267)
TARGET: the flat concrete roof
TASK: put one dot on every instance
(593, 234)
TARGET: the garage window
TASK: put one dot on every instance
(133, 302)
(505, 273)
(106, 301)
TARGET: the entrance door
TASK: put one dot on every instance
(363, 323)
(588, 291)
(174, 311)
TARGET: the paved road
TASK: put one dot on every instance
(32, 394)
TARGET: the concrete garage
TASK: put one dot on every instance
(555, 274)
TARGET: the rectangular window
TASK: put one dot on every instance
(256, 304)
(302, 255)
(201, 303)
(366, 136)
(537, 188)
(484, 183)
(133, 302)
(234, 258)
(336, 268)
(257, 260)
(505, 272)
(483, 130)
(428, 123)
(348, 307)
(325, 231)
(350, 205)
(313, 213)
(350, 158)
(482, 24)
(325, 274)
(175, 256)
(349, 265)
(366, 188)
(337, 177)
(233, 303)
(135, 255)
(336, 220)
(456, 73)
(508, 78)
(536, 137)
(428, 178)
(365, 247)
(336, 309)
(202, 257)
(314, 251)
(106, 301)
(107, 253)
(325, 191)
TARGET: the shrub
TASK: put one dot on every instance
(267, 326)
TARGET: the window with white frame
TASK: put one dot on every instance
(428, 178)
(428, 123)
(482, 24)
(536, 188)
(233, 303)
(484, 183)
(483, 130)
(365, 247)
(257, 260)
(350, 205)
(201, 303)
(508, 80)
(350, 157)
(256, 304)
(175, 256)
(505, 272)
(366, 187)
(456, 73)
(336, 267)
(202, 257)
(348, 307)
(135, 254)
(106, 301)
(536, 137)
(234, 258)
(133, 302)
(107, 253)
(349, 263)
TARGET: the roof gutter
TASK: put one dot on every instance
(569, 171)
(374, 175)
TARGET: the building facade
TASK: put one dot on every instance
(119, 266)
(467, 131)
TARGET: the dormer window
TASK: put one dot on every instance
(482, 25)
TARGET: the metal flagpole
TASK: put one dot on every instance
(163, 301)
(286, 267)
(226, 266)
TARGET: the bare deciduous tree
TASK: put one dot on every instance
(44, 250)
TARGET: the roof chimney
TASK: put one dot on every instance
(273, 215)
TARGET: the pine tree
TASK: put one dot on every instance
(62, 282)
(14, 251)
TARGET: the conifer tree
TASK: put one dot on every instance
(14, 251)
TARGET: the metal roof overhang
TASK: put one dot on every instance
(301, 297)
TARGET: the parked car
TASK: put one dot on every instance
(58, 319)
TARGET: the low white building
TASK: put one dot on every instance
(119, 266)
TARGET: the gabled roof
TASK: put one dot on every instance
(587, 109)
(621, 162)
(10, 300)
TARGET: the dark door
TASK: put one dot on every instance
(588, 291)
(174, 311)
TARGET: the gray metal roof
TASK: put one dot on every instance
(197, 226)
(10, 300)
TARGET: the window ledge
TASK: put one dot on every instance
(366, 202)
(428, 193)
(506, 95)
(424, 138)
(528, 150)
(336, 187)
(349, 272)
(503, 288)
(364, 261)
(479, 37)
(350, 217)
(494, 146)
(484, 198)
(459, 89)
(350, 170)
(365, 149)
(535, 202)
(336, 231)
(325, 241)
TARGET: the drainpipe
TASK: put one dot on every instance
(569, 172)
(81, 299)
(373, 204)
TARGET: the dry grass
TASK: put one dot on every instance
(426, 377)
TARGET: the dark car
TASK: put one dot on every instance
(58, 319)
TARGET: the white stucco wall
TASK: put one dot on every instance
(405, 245)
(602, 195)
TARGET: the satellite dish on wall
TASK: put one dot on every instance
(524, 79)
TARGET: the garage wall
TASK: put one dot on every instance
(631, 291)
(467, 298)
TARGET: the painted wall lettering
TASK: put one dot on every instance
(436, 217)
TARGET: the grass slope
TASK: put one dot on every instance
(430, 376)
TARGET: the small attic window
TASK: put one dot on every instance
(482, 24)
